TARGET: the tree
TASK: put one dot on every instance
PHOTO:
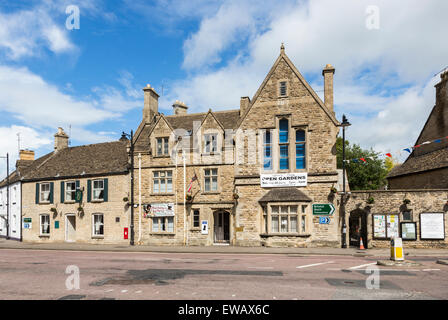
(369, 175)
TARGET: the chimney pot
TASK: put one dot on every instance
(179, 107)
(151, 103)
(60, 140)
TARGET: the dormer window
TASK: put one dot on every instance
(210, 143)
(162, 146)
(283, 92)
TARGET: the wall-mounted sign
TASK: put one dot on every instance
(323, 209)
(29, 220)
(27, 223)
(379, 226)
(56, 224)
(204, 227)
(393, 224)
(432, 226)
(409, 231)
(324, 220)
(160, 209)
(283, 180)
(78, 195)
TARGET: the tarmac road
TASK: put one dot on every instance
(41, 274)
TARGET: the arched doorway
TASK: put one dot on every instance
(358, 228)
(221, 227)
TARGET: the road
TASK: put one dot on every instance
(41, 274)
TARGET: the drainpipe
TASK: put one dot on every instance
(185, 195)
(139, 197)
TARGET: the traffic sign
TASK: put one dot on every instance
(323, 209)
(324, 220)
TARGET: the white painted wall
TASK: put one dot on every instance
(15, 212)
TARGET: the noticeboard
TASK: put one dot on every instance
(409, 231)
(432, 226)
(386, 226)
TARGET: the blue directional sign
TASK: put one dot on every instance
(324, 220)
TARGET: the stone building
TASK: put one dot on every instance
(77, 194)
(253, 176)
(427, 166)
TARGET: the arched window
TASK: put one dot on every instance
(284, 144)
(300, 150)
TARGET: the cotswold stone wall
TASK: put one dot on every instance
(391, 202)
(427, 179)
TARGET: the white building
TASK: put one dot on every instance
(11, 218)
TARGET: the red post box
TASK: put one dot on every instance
(125, 233)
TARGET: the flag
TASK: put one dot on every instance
(191, 182)
(362, 159)
(408, 150)
(437, 141)
(389, 155)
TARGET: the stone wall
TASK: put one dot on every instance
(427, 179)
(391, 202)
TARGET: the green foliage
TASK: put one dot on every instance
(362, 176)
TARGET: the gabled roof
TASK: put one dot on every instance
(285, 195)
(88, 160)
(284, 57)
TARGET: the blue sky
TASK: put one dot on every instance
(209, 54)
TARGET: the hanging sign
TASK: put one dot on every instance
(161, 209)
(283, 180)
(432, 226)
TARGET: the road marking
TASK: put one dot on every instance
(110, 290)
(139, 291)
(314, 264)
(260, 267)
(363, 265)
(124, 291)
(431, 269)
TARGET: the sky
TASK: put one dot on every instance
(87, 77)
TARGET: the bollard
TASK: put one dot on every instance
(396, 249)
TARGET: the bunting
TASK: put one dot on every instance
(389, 155)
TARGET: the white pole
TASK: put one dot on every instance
(185, 194)
(139, 197)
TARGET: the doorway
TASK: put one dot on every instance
(70, 228)
(358, 228)
(221, 227)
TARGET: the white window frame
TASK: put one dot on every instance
(94, 189)
(14, 195)
(193, 218)
(94, 233)
(300, 217)
(162, 175)
(41, 193)
(67, 192)
(41, 225)
(162, 222)
(210, 177)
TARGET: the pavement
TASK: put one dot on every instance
(12, 244)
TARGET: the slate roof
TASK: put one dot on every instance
(284, 195)
(22, 169)
(88, 160)
(429, 161)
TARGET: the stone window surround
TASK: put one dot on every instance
(218, 190)
(193, 228)
(279, 95)
(219, 138)
(291, 141)
(66, 200)
(168, 233)
(97, 236)
(160, 193)
(163, 154)
(300, 214)
(93, 191)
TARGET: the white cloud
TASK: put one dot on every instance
(383, 77)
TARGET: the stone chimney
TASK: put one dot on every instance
(244, 104)
(60, 140)
(179, 107)
(151, 104)
(328, 74)
(442, 91)
(26, 157)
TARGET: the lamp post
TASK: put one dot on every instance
(7, 194)
(131, 151)
(344, 124)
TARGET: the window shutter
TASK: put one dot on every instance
(77, 188)
(37, 193)
(51, 191)
(106, 182)
(62, 192)
(89, 190)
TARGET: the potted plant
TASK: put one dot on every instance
(406, 201)
(80, 210)
(54, 210)
(333, 190)
(188, 197)
(370, 200)
(235, 196)
(125, 199)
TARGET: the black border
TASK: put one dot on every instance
(401, 230)
(433, 239)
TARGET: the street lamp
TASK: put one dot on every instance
(124, 136)
(344, 124)
(7, 195)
